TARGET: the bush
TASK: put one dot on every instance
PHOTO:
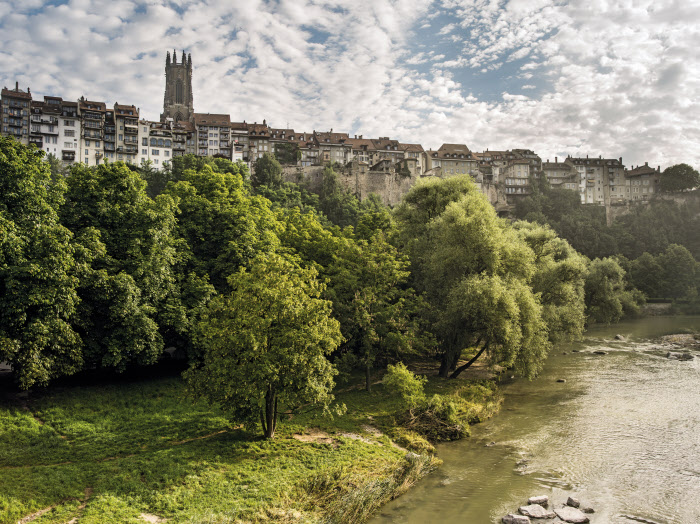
(400, 380)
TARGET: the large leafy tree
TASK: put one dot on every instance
(679, 178)
(129, 295)
(559, 278)
(267, 171)
(223, 225)
(38, 271)
(475, 271)
(607, 296)
(265, 343)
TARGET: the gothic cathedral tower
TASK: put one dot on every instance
(177, 102)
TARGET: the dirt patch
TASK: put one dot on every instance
(316, 436)
(154, 519)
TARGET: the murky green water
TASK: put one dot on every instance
(622, 434)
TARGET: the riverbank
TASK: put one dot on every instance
(139, 451)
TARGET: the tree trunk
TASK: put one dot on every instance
(368, 378)
(270, 419)
(465, 366)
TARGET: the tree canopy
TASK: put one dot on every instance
(679, 178)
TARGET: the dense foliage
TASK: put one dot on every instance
(270, 290)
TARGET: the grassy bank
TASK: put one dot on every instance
(140, 451)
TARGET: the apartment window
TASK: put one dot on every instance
(144, 151)
(144, 141)
(154, 142)
(69, 132)
(68, 145)
(155, 151)
(87, 143)
(121, 137)
(97, 143)
(155, 161)
(87, 152)
(167, 153)
(69, 123)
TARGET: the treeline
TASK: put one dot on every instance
(657, 243)
(271, 291)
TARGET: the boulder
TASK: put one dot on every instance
(561, 380)
(573, 515)
(673, 355)
(542, 500)
(515, 519)
(574, 503)
(588, 510)
(536, 511)
(620, 337)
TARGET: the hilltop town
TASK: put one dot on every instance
(91, 132)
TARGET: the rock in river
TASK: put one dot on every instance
(679, 356)
(620, 337)
(536, 511)
(515, 519)
(574, 503)
(573, 515)
(542, 500)
(600, 352)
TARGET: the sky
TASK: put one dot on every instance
(617, 78)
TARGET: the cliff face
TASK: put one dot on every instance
(389, 185)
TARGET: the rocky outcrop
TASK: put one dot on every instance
(536, 509)
(673, 355)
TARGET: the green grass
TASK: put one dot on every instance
(108, 453)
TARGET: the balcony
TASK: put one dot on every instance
(131, 140)
(178, 146)
(15, 123)
(109, 147)
(69, 156)
(131, 150)
(37, 141)
(131, 130)
(98, 154)
(110, 129)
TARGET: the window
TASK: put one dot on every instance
(144, 151)
(87, 143)
(167, 153)
(87, 152)
(155, 151)
(97, 143)
(154, 142)
(69, 132)
(144, 141)
(69, 123)
(121, 137)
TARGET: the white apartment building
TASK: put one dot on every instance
(92, 118)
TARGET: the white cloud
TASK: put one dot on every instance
(620, 79)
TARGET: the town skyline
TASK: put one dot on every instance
(361, 69)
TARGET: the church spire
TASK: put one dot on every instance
(167, 59)
(174, 57)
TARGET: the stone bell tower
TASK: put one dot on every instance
(177, 101)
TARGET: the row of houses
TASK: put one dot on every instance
(91, 132)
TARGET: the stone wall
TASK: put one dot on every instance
(389, 185)
(615, 211)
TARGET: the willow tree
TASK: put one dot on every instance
(265, 344)
(475, 271)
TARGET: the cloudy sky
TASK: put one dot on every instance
(598, 77)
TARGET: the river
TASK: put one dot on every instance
(622, 434)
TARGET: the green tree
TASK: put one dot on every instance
(267, 171)
(223, 225)
(647, 275)
(129, 295)
(559, 278)
(607, 298)
(38, 271)
(266, 343)
(679, 178)
(678, 274)
(340, 206)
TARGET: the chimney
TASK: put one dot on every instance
(16, 86)
(620, 160)
(556, 159)
(646, 164)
